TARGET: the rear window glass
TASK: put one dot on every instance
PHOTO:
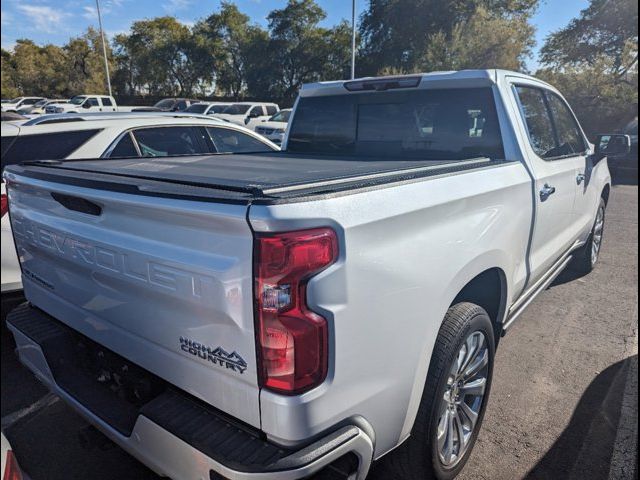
(46, 146)
(227, 140)
(106, 101)
(217, 109)
(124, 148)
(197, 108)
(169, 141)
(442, 124)
(237, 109)
(166, 103)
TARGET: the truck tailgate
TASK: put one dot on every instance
(163, 282)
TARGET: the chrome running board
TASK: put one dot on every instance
(540, 286)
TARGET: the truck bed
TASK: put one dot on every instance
(242, 178)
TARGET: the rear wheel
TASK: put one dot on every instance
(586, 258)
(454, 398)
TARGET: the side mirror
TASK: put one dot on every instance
(612, 145)
(86, 105)
(247, 119)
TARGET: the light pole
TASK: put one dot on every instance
(104, 47)
(353, 39)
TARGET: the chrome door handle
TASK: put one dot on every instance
(546, 192)
(580, 178)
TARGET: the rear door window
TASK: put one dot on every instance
(538, 121)
(170, 141)
(256, 112)
(124, 148)
(271, 109)
(106, 101)
(227, 140)
(46, 146)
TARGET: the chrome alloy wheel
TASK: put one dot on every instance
(462, 400)
(598, 229)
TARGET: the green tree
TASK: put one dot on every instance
(165, 57)
(482, 41)
(35, 70)
(229, 36)
(396, 34)
(606, 28)
(594, 62)
(301, 50)
(84, 64)
(9, 77)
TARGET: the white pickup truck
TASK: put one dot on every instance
(267, 316)
(87, 103)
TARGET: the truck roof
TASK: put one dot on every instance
(450, 79)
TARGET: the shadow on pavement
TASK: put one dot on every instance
(568, 275)
(585, 447)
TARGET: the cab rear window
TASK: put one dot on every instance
(435, 124)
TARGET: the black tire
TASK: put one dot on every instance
(418, 458)
(583, 260)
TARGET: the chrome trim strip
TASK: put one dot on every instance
(515, 313)
(523, 297)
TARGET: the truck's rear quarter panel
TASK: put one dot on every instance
(142, 274)
(406, 250)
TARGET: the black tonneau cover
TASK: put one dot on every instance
(263, 177)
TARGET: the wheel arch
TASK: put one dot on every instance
(606, 191)
(488, 290)
(484, 282)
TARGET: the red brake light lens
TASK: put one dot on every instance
(11, 468)
(5, 205)
(292, 340)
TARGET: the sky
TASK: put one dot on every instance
(55, 21)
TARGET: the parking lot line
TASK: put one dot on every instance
(623, 460)
(10, 419)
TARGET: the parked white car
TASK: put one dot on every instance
(248, 113)
(87, 103)
(54, 137)
(38, 108)
(19, 102)
(208, 108)
(274, 128)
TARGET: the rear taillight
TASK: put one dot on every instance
(5, 205)
(11, 468)
(292, 340)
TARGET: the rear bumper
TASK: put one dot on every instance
(174, 434)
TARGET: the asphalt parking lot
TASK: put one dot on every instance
(564, 401)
